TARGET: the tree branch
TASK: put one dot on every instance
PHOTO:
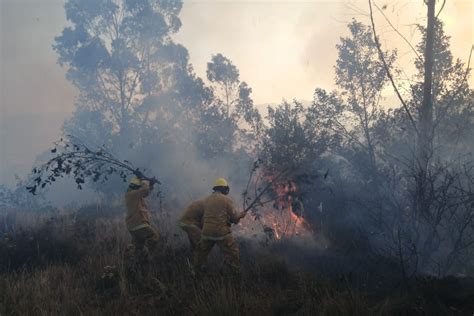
(400, 34)
(387, 70)
(263, 191)
(441, 9)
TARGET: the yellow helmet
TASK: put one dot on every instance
(221, 182)
(136, 181)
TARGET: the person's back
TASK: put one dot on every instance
(192, 215)
(219, 214)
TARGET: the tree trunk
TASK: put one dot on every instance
(425, 137)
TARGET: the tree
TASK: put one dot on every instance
(230, 122)
(139, 95)
(451, 97)
(438, 201)
(223, 73)
(291, 141)
(434, 216)
(115, 52)
(351, 113)
(425, 120)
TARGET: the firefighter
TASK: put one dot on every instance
(191, 222)
(144, 237)
(219, 215)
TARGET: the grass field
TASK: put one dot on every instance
(73, 264)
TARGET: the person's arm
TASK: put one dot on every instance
(145, 189)
(234, 215)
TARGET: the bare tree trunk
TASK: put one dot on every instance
(426, 109)
(424, 150)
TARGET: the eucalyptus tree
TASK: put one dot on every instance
(115, 52)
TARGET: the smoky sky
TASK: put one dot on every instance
(35, 97)
(283, 49)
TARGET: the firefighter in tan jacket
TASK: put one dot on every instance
(191, 222)
(138, 216)
(219, 215)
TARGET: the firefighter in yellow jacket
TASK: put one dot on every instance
(219, 215)
(138, 216)
(191, 222)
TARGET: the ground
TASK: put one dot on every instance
(75, 264)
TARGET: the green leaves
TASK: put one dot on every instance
(291, 134)
(222, 70)
(74, 158)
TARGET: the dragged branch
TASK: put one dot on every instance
(74, 158)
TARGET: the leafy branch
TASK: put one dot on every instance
(74, 158)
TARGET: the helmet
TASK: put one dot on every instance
(221, 182)
(136, 181)
(221, 185)
(135, 184)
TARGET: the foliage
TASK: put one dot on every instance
(378, 182)
(224, 73)
(114, 51)
(436, 236)
(74, 158)
(230, 121)
(139, 95)
(291, 133)
(351, 114)
(452, 97)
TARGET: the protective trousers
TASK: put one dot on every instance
(145, 236)
(139, 258)
(227, 245)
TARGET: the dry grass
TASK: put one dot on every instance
(56, 265)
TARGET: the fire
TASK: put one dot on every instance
(283, 217)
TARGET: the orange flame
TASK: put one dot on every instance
(281, 217)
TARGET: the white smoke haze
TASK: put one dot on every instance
(282, 50)
(263, 38)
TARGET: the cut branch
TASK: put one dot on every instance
(73, 157)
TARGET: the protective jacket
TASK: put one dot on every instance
(219, 214)
(193, 215)
(138, 215)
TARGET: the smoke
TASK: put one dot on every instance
(359, 213)
(33, 85)
(35, 98)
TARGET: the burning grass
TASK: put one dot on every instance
(73, 265)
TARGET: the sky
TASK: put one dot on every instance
(283, 49)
